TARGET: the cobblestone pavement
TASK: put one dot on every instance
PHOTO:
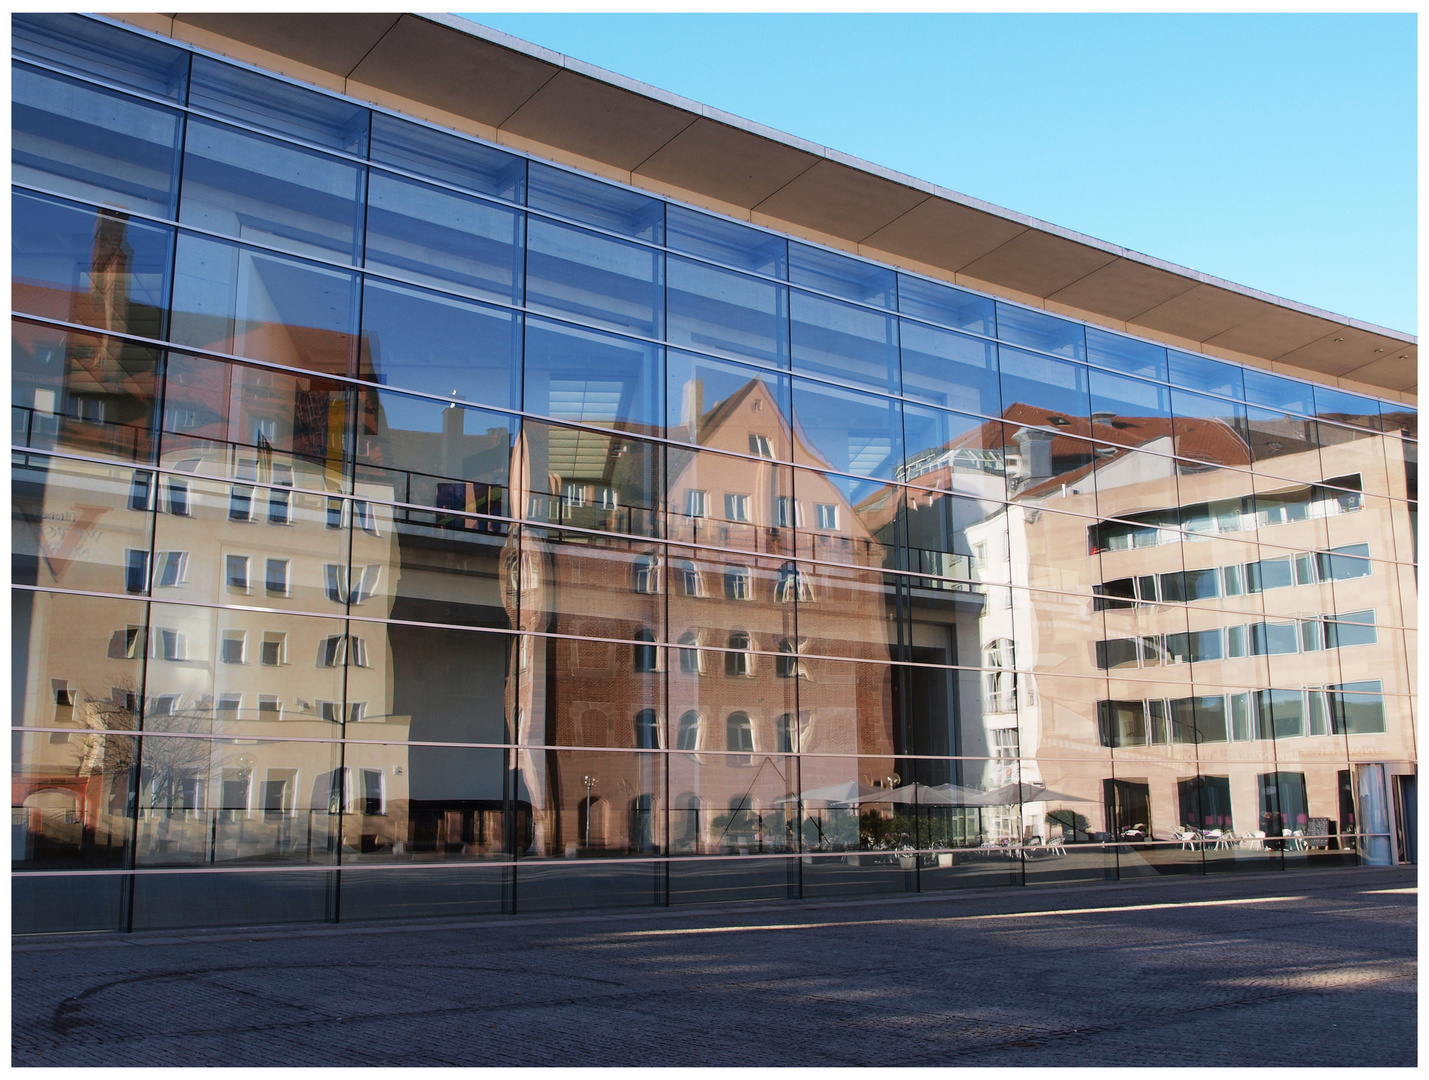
(1311, 968)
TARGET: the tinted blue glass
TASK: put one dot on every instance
(445, 157)
(107, 52)
(588, 200)
(853, 279)
(444, 239)
(1048, 390)
(719, 310)
(418, 340)
(1283, 444)
(949, 369)
(1347, 408)
(844, 342)
(1201, 373)
(87, 266)
(269, 307)
(1209, 429)
(594, 277)
(1037, 330)
(270, 192)
(727, 242)
(947, 305)
(940, 446)
(251, 98)
(1125, 354)
(593, 378)
(705, 397)
(92, 144)
(846, 431)
(1276, 392)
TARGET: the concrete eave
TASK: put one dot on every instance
(458, 73)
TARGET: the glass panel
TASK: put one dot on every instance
(1040, 390)
(226, 420)
(1209, 429)
(214, 801)
(1036, 330)
(83, 393)
(80, 525)
(1202, 373)
(846, 430)
(458, 460)
(946, 305)
(257, 545)
(950, 369)
(592, 378)
(446, 157)
(950, 536)
(714, 309)
(614, 589)
(844, 342)
(948, 450)
(439, 238)
(595, 278)
(848, 521)
(85, 266)
(591, 803)
(733, 502)
(726, 241)
(268, 192)
(727, 406)
(255, 674)
(70, 810)
(1128, 412)
(1278, 393)
(279, 106)
(95, 48)
(249, 303)
(1125, 354)
(93, 144)
(79, 662)
(1284, 445)
(843, 611)
(592, 693)
(1346, 408)
(588, 200)
(853, 279)
(445, 567)
(590, 480)
(418, 340)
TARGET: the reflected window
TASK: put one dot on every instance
(740, 659)
(335, 582)
(786, 733)
(139, 489)
(692, 658)
(647, 574)
(647, 730)
(276, 577)
(170, 644)
(793, 584)
(136, 570)
(1000, 686)
(826, 515)
(697, 504)
(788, 512)
(647, 654)
(737, 584)
(736, 508)
(275, 649)
(236, 569)
(691, 579)
(787, 664)
(339, 650)
(234, 647)
(126, 644)
(688, 737)
(171, 568)
(739, 732)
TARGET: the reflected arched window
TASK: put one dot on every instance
(1000, 684)
(688, 736)
(690, 578)
(737, 584)
(786, 732)
(692, 659)
(739, 732)
(740, 659)
(647, 730)
(685, 822)
(787, 664)
(647, 574)
(793, 585)
(642, 823)
(647, 654)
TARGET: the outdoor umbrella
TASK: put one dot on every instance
(849, 793)
(1009, 794)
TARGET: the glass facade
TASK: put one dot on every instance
(406, 527)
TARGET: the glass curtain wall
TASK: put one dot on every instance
(416, 528)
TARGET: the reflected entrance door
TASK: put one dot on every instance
(1128, 806)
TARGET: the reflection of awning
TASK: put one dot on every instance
(926, 795)
(1011, 794)
(850, 793)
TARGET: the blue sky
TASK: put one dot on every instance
(1278, 151)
